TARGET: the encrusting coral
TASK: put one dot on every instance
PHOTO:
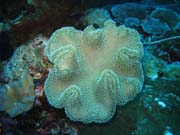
(94, 70)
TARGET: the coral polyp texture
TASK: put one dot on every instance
(94, 70)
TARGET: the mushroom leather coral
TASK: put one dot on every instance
(94, 70)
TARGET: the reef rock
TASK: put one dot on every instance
(94, 70)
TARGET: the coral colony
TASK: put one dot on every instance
(94, 70)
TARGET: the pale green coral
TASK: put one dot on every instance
(96, 16)
(18, 96)
(17, 65)
(172, 71)
(152, 65)
(94, 70)
(4, 26)
(24, 56)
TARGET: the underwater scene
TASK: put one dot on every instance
(89, 67)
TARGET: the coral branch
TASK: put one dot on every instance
(162, 40)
